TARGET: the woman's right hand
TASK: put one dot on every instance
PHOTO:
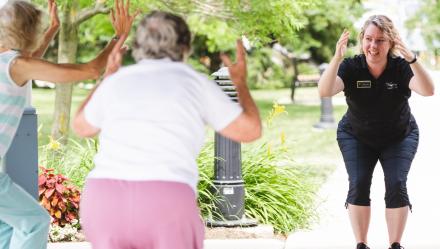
(237, 70)
(341, 45)
(121, 19)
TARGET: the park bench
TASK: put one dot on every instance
(307, 80)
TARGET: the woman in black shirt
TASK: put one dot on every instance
(378, 125)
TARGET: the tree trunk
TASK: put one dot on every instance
(294, 79)
(68, 45)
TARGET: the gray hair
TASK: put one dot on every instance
(20, 25)
(386, 26)
(161, 34)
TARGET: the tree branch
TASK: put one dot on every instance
(91, 12)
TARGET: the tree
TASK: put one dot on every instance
(216, 23)
(72, 14)
(427, 19)
(324, 25)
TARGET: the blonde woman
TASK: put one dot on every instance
(378, 125)
(23, 222)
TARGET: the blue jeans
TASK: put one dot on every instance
(24, 224)
(360, 160)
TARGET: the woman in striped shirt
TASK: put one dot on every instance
(23, 222)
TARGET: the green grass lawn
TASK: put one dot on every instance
(43, 100)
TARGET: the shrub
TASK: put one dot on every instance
(73, 161)
(277, 191)
(59, 199)
(268, 69)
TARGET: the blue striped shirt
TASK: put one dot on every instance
(12, 102)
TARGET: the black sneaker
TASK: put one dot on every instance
(362, 246)
(396, 245)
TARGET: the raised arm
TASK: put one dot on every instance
(247, 126)
(329, 83)
(80, 125)
(24, 68)
(50, 33)
(421, 82)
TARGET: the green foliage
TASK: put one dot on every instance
(268, 69)
(324, 25)
(278, 192)
(427, 19)
(307, 68)
(73, 161)
(206, 199)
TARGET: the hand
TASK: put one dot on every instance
(53, 11)
(121, 18)
(403, 50)
(341, 45)
(114, 60)
(237, 70)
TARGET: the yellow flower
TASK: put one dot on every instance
(278, 109)
(283, 138)
(54, 144)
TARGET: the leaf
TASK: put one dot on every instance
(41, 180)
(41, 191)
(70, 216)
(60, 188)
(62, 206)
(58, 214)
(49, 192)
(45, 203)
(54, 202)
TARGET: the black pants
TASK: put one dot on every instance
(360, 160)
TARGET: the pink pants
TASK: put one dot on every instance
(119, 214)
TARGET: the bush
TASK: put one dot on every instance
(58, 198)
(278, 192)
(268, 69)
(74, 161)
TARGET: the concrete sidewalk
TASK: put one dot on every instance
(209, 244)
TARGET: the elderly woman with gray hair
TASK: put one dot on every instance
(150, 119)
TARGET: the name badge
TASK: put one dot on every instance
(363, 84)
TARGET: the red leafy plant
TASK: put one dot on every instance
(58, 198)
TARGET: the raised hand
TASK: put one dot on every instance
(403, 50)
(121, 18)
(53, 12)
(237, 70)
(341, 45)
(114, 60)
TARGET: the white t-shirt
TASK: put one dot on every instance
(152, 117)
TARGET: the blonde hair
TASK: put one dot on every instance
(20, 26)
(161, 34)
(386, 26)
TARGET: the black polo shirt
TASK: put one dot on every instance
(378, 111)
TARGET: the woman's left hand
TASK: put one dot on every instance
(404, 51)
(114, 60)
(121, 18)
(53, 11)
